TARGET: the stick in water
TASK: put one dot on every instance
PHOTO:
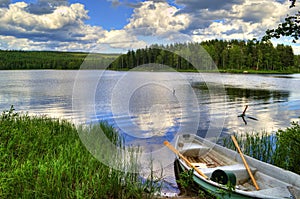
(185, 159)
(244, 161)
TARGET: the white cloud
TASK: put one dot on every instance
(121, 39)
(262, 11)
(17, 16)
(247, 20)
(61, 26)
(62, 29)
(156, 19)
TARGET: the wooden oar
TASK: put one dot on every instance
(245, 162)
(185, 159)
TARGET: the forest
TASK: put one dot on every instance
(231, 56)
(228, 56)
(19, 60)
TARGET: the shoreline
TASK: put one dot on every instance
(230, 71)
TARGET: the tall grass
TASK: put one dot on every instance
(281, 148)
(42, 157)
(287, 154)
(260, 145)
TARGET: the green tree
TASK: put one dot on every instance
(290, 27)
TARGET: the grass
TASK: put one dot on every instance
(251, 71)
(287, 154)
(41, 157)
(280, 148)
(260, 145)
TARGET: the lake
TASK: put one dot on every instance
(150, 107)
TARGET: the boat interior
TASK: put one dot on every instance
(209, 157)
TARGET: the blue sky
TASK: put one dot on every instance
(105, 14)
(120, 25)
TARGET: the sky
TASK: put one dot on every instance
(116, 26)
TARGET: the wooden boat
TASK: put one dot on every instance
(226, 174)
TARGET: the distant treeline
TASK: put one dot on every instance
(226, 55)
(12, 59)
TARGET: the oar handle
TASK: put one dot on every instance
(184, 158)
(245, 162)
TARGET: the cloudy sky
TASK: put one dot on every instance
(119, 25)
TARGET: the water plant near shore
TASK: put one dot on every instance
(41, 157)
(260, 145)
(280, 148)
(287, 154)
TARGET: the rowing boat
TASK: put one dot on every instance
(224, 174)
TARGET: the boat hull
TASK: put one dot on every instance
(274, 182)
(199, 184)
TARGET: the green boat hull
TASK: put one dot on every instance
(219, 192)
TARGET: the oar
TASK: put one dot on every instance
(185, 159)
(245, 162)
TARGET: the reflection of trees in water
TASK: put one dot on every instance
(236, 93)
(257, 94)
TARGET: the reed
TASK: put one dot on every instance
(287, 154)
(280, 148)
(260, 145)
(41, 157)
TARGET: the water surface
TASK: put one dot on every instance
(150, 107)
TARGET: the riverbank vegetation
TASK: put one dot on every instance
(42, 157)
(235, 56)
(280, 149)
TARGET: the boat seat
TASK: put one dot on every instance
(238, 169)
(193, 149)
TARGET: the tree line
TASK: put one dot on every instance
(225, 55)
(13, 59)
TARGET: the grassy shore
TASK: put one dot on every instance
(42, 157)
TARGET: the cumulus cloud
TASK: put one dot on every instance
(17, 19)
(121, 39)
(157, 19)
(65, 24)
(259, 11)
(59, 25)
(233, 20)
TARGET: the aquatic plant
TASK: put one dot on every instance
(280, 149)
(287, 154)
(260, 145)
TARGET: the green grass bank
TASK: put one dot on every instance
(41, 157)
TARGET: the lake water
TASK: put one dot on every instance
(150, 107)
